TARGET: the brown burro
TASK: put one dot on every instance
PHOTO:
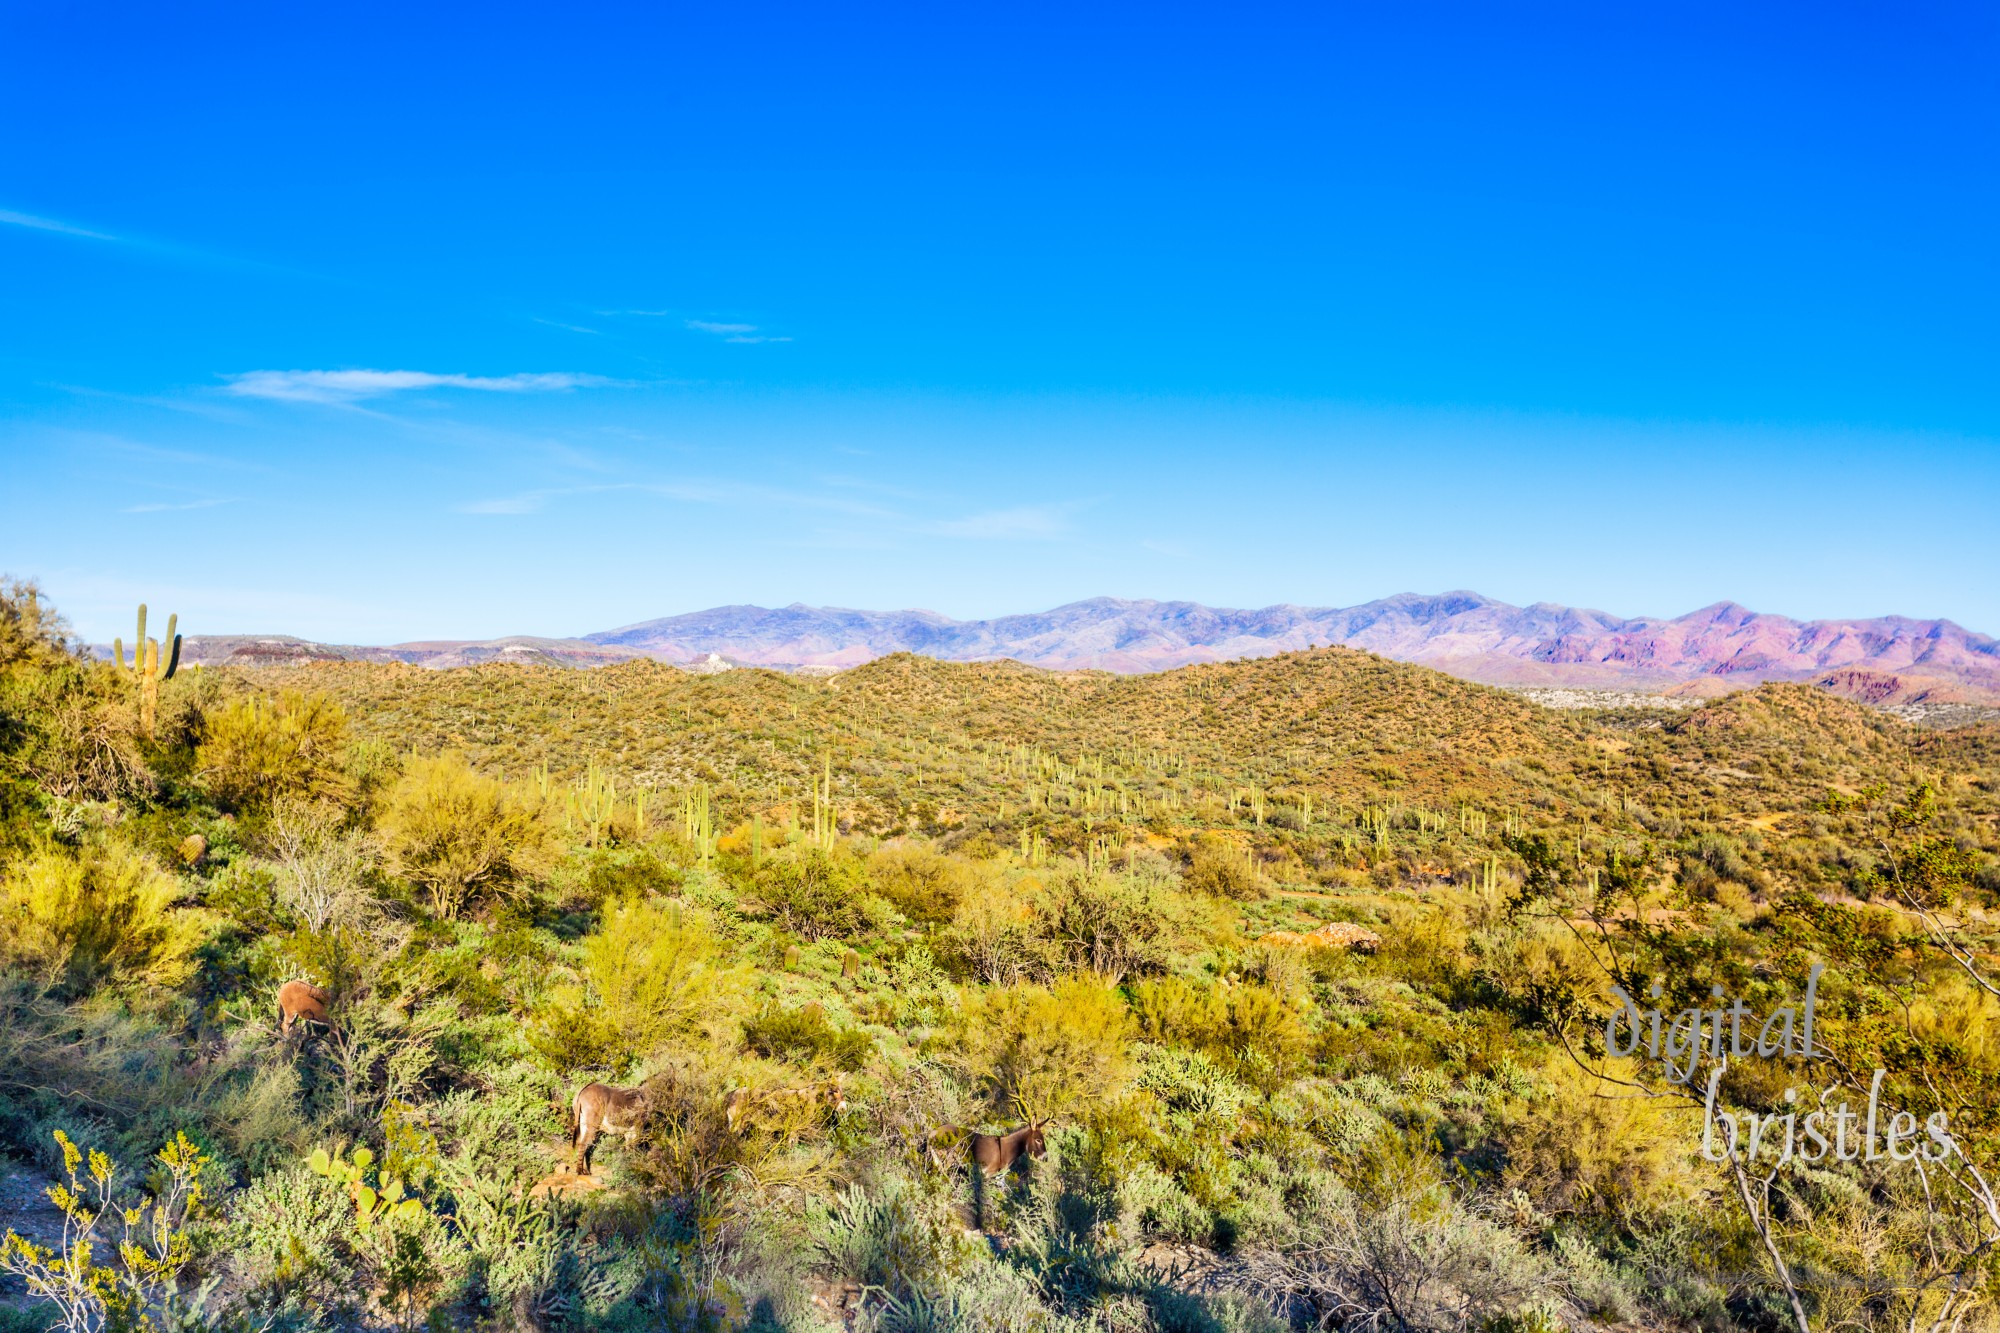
(994, 1152)
(301, 1000)
(784, 1107)
(602, 1109)
(997, 1152)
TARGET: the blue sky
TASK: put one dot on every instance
(371, 324)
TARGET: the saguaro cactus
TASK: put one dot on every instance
(147, 668)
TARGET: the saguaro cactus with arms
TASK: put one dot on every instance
(147, 667)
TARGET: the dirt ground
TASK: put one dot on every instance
(25, 1208)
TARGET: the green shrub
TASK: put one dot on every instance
(1248, 1025)
(921, 993)
(613, 876)
(289, 1238)
(103, 911)
(1040, 1053)
(1406, 1253)
(890, 1236)
(572, 1036)
(923, 885)
(1112, 926)
(460, 836)
(1222, 869)
(38, 1318)
(261, 1120)
(660, 974)
(804, 1036)
(257, 749)
(814, 894)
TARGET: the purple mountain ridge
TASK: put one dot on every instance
(1460, 632)
(1886, 659)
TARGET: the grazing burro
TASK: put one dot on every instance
(999, 1152)
(602, 1109)
(599, 1109)
(746, 1108)
(301, 1000)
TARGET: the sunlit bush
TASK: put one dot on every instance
(1585, 1145)
(814, 893)
(660, 974)
(805, 1036)
(1247, 1025)
(77, 918)
(924, 885)
(462, 837)
(1039, 1052)
(1115, 927)
(1222, 869)
(257, 749)
(995, 938)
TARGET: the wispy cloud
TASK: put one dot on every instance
(513, 504)
(347, 386)
(566, 328)
(735, 333)
(693, 491)
(13, 219)
(167, 250)
(1024, 523)
(162, 507)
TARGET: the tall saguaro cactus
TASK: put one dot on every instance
(147, 667)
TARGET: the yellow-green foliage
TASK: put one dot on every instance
(1960, 1013)
(924, 885)
(813, 892)
(459, 835)
(30, 631)
(1041, 1053)
(153, 1247)
(1246, 1024)
(1113, 926)
(659, 972)
(256, 748)
(1223, 869)
(102, 911)
(1589, 1144)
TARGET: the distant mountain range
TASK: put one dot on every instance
(1890, 659)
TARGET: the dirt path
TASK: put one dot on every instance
(25, 1208)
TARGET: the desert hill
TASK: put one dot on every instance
(1329, 731)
